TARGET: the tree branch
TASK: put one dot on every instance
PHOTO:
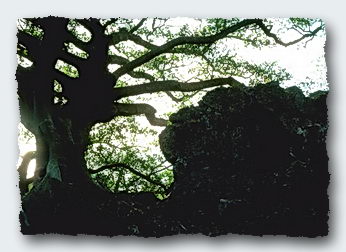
(123, 35)
(115, 59)
(110, 21)
(93, 25)
(180, 41)
(142, 75)
(139, 109)
(139, 41)
(173, 98)
(23, 52)
(32, 44)
(129, 168)
(171, 85)
(279, 41)
(162, 169)
(136, 27)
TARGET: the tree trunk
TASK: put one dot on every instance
(53, 202)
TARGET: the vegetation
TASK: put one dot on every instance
(88, 88)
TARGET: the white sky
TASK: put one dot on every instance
(26, 145)
(299, 61)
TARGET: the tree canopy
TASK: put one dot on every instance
(96, 79)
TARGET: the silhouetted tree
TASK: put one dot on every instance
(70, 85)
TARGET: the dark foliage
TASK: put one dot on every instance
(252, 161)
(246, 161)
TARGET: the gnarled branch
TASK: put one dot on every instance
(173, 98)
(137, 26)
(171, 85)
(180, 41)
(140, 109)
(139, 41)
(115, 166)
(32, 43)
(123, 35)
(116, 59)
(110, 21)
(267, 32)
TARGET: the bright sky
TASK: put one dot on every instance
(301, 62)
(26, 145)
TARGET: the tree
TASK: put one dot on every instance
(87, 71)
